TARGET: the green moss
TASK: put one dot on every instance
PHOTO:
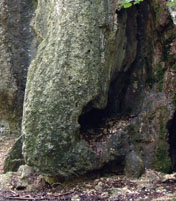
(163, 162)
(159, 77)
(162, 131)
(156, 77)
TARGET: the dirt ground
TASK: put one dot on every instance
(152, 186)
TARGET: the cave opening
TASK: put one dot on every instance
(92, 123)
(120, 99)
(171, 126)
(92, 118)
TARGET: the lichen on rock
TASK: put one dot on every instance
(71, 69)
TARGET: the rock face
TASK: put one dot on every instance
(75, 63)
(15, 57)
(172, 10)
(14, 158)
(99, 64)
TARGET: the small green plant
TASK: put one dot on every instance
(129, 3)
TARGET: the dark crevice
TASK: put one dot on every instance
(171, 126)
(92, 119)
(118, 106)
(113, 167)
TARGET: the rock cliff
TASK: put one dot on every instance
(100, 91)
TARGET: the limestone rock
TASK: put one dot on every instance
(76, 61)
(88, 51)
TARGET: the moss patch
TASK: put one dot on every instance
(163, 162)
(159, 77)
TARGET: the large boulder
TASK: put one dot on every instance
(81, 50)
(89, 50)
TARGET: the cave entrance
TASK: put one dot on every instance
(92, 119)
(172, 140)
(91, 123)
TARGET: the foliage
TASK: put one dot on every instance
(129, 3)
(171, 3)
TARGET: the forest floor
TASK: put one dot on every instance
(152, 186)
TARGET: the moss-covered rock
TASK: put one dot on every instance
(74, 66)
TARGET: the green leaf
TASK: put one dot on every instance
(127, 5)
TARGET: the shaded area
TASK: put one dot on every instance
(92, 119)
(172, 140)
(127, 88)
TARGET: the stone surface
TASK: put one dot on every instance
(5, 180)
(76, 61)
(15, 55)
(94, 61)
(82, 57)
(134, 166)
(14, 158)
(172, 10)
(25, 171)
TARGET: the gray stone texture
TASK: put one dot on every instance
(73, 68)
(16, 52)
(91, 55)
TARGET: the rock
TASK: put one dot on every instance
(5, 181)
(16, 38)
(25, 171)
(14, 158)
(89, 52)
(99, 186)
(172, 10)
(59, 90)
(23, 177)
(81, 60)
(134, 166)
(75, 198)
